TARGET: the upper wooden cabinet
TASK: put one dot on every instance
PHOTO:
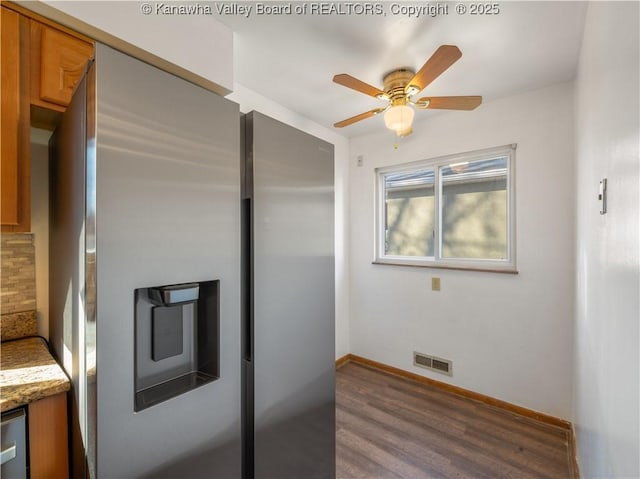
(41, 64)
(14, 136)
(58, 61)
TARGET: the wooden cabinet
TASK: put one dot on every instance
(58, 60)
(41, 64)
(14, 137)
(48, 438)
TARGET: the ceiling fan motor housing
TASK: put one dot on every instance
(395, 83)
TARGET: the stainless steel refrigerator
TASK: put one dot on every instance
(191, 282)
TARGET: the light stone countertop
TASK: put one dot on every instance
(28, 372)
(18, 325)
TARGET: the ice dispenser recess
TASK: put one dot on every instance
(176, 340)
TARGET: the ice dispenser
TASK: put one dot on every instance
(176, 340)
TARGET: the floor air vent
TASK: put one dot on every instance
(431, 362)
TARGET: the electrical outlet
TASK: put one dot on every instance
(435, 283)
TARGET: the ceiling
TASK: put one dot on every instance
(291, 59)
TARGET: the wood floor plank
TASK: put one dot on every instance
(391, 427)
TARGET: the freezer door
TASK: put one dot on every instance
(167, 195)
(289, 178)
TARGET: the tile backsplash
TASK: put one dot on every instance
(18, 273)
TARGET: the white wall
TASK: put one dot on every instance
(607, 399)
(250, 100)
(509, 336)
(40, 224)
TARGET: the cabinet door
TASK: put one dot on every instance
(10, 114)
(48, 438)
(14, 138)
(63, 59)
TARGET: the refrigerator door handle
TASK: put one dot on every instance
(247, 279)
(8, 454)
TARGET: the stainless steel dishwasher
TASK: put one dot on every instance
(14, 445)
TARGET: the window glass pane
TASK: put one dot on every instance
(474, 209)
(409, 213)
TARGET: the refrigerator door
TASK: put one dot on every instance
(289, 179)
(164, 195)
(67, 259)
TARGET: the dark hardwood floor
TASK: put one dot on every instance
(391, 427)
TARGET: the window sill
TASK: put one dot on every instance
(459, 268)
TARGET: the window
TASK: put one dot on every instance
(450, 212)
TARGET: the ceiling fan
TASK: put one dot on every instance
(399, 88)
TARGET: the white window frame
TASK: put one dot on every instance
(507, 265)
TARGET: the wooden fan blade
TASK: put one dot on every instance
(443, 58)
(361, 116)
(450, 102)
(357, 85)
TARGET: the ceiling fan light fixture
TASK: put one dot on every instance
(405, 132)
(399, 118)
